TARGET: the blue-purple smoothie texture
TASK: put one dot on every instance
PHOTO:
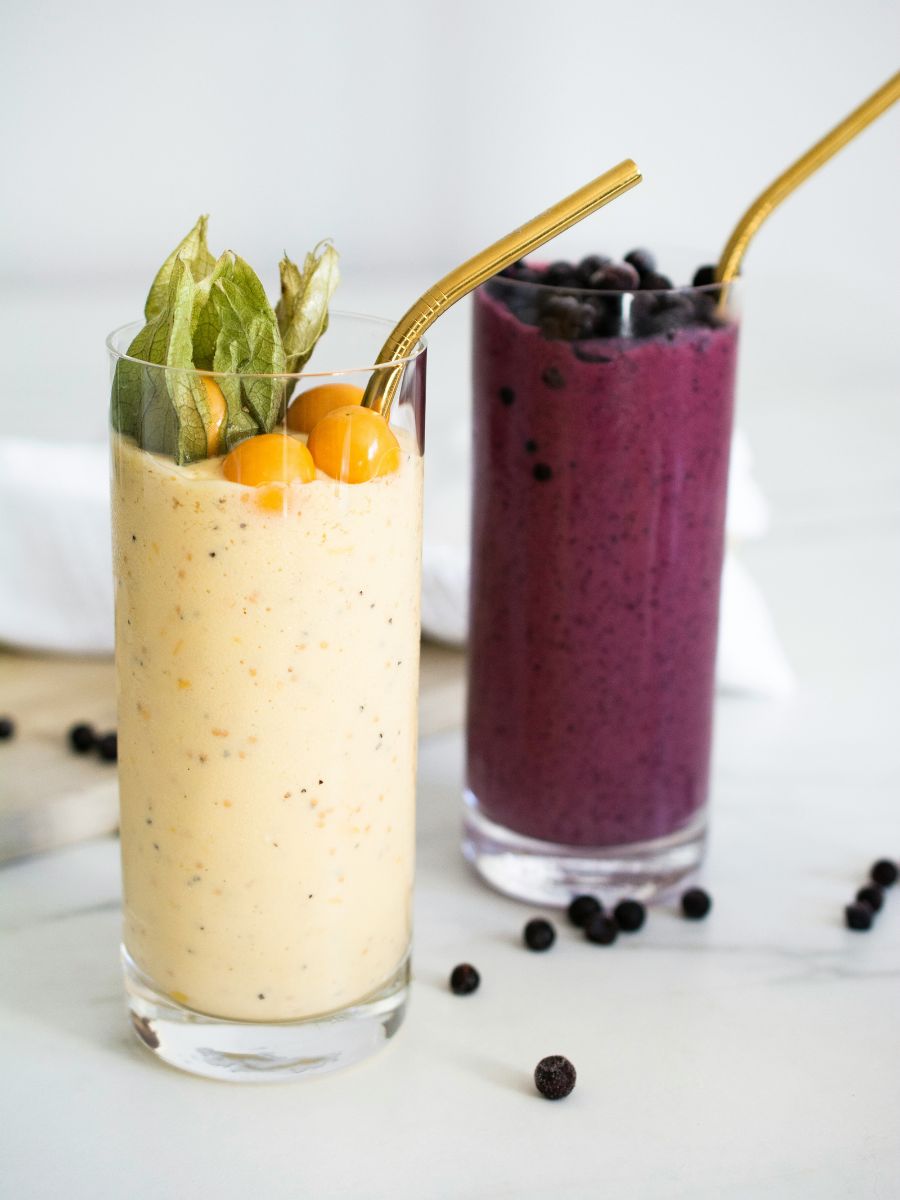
(600, 472)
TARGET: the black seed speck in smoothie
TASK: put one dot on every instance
(542, 472)
(507, 396)
(553, 378)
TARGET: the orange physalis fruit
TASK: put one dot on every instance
(354, 445)
(218, 410)
(269, 458)
(308, 409)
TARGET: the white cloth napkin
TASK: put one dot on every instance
(56, 580)
(56, 588)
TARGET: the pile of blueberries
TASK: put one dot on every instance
(869, 899)
(601, 298)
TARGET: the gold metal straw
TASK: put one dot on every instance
(465, 278)
(768, 201)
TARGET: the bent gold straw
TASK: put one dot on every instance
(787, 181)
(383, 385)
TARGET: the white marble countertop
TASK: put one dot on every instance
(751, 1055)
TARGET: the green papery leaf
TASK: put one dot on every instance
(303, 308)
(193, 250)
(165, 410)
(248, 341)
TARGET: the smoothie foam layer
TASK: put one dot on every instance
(598, 523)
(268, 666)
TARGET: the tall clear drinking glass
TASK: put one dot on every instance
(267, 645)
(601, 443)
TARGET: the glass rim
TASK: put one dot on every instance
(388, 324)
(567, 290)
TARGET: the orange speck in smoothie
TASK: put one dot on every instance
(179, 997)
(184, 684)
(220, 732)
(226, 804)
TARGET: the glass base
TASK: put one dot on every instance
(544, 873)
(260, 1051)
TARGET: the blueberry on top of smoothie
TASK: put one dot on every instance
(616, 277)
(642, 260)
(704, 276)
(560, 274)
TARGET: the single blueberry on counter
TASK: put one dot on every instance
(82, 738)
(539, 934)
(858, 916)
(601, 929)
(630, 915)
(884, 872)
(7, 729)
(582, 908)
(108, 746)
(554, 1077)
(464, 979)
(696, 903)
(872, 895)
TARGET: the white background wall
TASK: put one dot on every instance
(413, 133)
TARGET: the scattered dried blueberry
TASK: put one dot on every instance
(858, 916)
(108, 746)
(464, 979)
(554, 1077)
(872, 895)
(696, 903)
(82, 738)
(704, 276)
(630, 915)
(642, 260)
(582, 908)
(7, 729)
(539, 934)
(884, 872)
(601, 929)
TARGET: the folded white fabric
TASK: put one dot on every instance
(56, 582)
(56, 589)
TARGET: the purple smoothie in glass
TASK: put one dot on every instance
(600, 472)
